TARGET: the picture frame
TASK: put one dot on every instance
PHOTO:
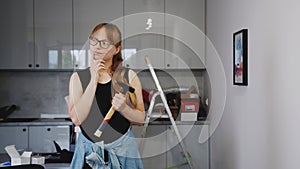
(240, 57)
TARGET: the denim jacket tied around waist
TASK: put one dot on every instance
(122, 153)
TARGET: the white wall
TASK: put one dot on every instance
(260, 127)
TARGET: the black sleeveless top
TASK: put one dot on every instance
(118, 124)
(103, 97)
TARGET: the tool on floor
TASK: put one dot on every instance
(124, 88)
(164, 100)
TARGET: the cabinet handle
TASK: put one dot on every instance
(168, 65)
(76, 65)
(127, 65)
(24, 130)
(48, 129)
(30, 65)
(37, 65)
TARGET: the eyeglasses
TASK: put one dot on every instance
(103, 43)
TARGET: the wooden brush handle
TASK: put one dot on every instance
(104, 122)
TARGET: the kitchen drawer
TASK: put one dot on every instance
(41, 138)
(161, 148)
(14, 135)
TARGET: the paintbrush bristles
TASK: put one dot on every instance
(98, 133)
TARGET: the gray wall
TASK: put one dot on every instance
(36, 93)
(42, 93)
(260, 124)
(174, 79)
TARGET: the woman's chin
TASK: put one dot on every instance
(97, 57)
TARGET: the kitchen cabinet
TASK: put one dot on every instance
(153, 152)
(14, 135)
(199, 152)
(37, 34)
(162, 150)
(16, 42)
(36, 135)
(143, 33)
(46, 135)
(53, 34)
(179, 54)
(165, 52)
(87, 14)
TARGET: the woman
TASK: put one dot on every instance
(91, 96)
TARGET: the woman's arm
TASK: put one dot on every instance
(137, 114)
(80, 102)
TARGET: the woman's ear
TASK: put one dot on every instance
(117, 49)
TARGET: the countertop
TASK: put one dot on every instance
(35, 122)
(57, 122)
(204, 122)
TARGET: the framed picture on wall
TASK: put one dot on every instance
(240, 57)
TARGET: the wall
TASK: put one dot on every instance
(260, 124)
(41, 93)
(36, 93)
(169, 79)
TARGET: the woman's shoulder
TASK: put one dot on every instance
(86, 70)
(130, 74)
(125, 73)
(82, 72)
(80, 76)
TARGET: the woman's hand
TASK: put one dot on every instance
(119, 102)
(99, 59)
(96, 65)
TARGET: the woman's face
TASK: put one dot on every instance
(103, 48)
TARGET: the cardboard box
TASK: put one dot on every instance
(188, 116)
(190, 100)
(189, 105)
(189, 96)
(37, 160)
(15, 157)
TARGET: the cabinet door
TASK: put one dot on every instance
(53, 34)
(41, 138)
(143, 33)
(182, 56)
(88, 14)
(153, 146)
(14, 135)
(199, 151)
(16, 42)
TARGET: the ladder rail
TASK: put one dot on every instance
(147, 120)
(164, 100)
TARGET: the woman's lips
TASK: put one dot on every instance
(98, 53)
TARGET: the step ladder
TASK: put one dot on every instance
(169, 114)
